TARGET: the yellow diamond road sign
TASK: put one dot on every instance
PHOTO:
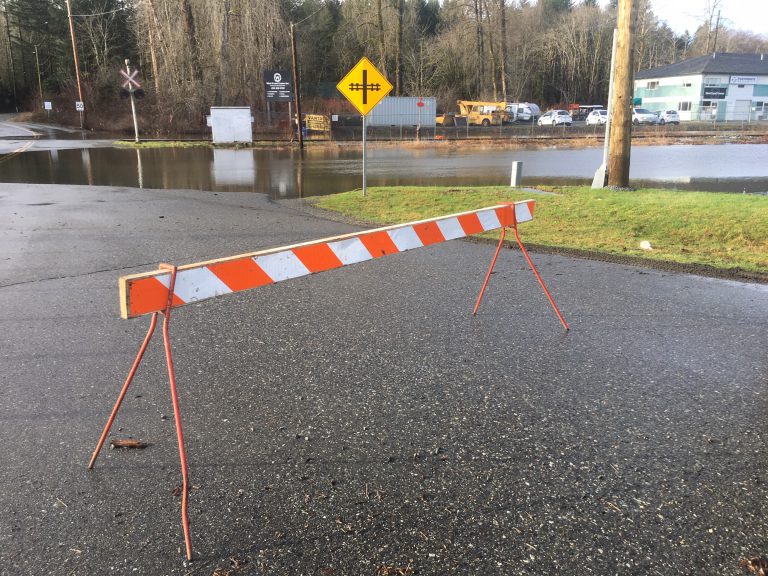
(364, 86)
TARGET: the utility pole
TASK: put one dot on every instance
(296, 90)
(77, 62)
(621, 133)
(39, 82)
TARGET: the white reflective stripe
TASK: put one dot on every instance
(196, 284)
(451, 229)
(282, 265)
(522, 212)
(489, 220)
(405, 238)
(350, 251)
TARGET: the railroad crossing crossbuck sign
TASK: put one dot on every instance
(364, 86)
(130, 83)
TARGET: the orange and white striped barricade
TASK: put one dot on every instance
(168, 287)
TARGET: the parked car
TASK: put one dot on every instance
(581, 111)
(597, 117)
(523, 111)
(643, 116)
(555, 118)
(669, 117)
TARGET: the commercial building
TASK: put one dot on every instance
(717, 87)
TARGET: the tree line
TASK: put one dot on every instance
(193, 54)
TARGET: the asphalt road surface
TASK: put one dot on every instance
(360, 421)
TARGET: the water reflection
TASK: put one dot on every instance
(233, 167)
(284, 173)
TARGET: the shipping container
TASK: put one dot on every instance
(404, 111)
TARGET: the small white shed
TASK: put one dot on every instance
(231, 124)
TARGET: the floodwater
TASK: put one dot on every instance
(286, 174)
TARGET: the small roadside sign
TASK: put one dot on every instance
(80, 106)
(364, 86)
(278, 86)
(47, 105)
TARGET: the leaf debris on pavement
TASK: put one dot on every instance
(128, 443)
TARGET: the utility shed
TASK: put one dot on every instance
(404, 111)
(231, 124)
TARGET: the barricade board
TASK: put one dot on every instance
(147, 292)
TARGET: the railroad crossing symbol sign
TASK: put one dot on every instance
(364, 86)
(130, 80)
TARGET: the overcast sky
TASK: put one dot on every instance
(682, 15)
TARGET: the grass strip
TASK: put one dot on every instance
(725, 231)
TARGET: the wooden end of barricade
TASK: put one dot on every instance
(161, 290)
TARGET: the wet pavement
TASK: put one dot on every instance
(360, 421)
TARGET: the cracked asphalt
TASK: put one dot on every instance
(361, 421)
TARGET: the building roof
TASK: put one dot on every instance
(718, 63)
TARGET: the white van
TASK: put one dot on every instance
(523, 111)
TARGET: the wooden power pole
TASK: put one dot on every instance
(621, 122)
(296, 89)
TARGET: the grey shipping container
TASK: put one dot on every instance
(404, 111)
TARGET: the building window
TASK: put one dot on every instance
(712, 81)
(684, 106)
(653, 85)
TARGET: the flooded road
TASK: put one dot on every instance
(283, 173)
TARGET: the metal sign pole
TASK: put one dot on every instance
(133, 103)
(365, 192)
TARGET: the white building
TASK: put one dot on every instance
(718, 86)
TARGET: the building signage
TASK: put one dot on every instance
(743, 79)
(317, 122)
(714, 93)
(278, 86)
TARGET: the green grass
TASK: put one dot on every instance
(725, 231)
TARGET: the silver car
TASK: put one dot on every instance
(669, 117)
(555, 118)
(643, 116)
(597, 117)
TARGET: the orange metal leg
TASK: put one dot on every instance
(488, 276)
(177, 412)
(530, 263)
(128, 381)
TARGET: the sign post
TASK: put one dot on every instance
(131, 84)
(278, 88)
(80, 107)
(364, 86)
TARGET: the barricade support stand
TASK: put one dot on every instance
(530, 263)
(174, 398)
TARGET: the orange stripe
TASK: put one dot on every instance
(506, 215)
(240, 274)
(149, 295)
(379, 244)
(318, 257)
(531, 204)
(470, 223)
(429, 233)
